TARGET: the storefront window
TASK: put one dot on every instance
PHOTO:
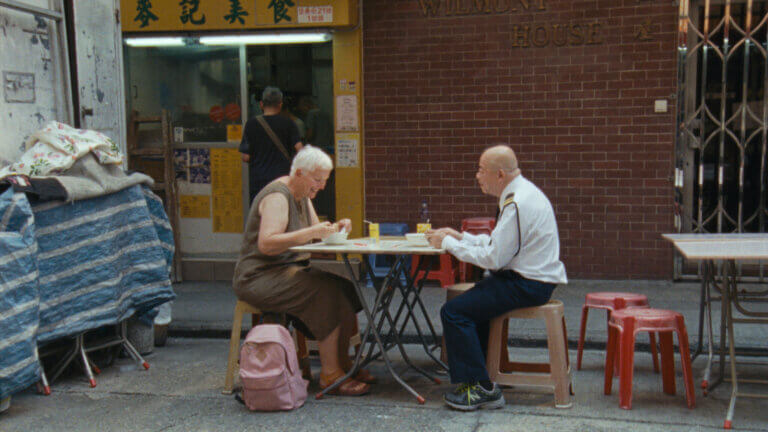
(199, 85)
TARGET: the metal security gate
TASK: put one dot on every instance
(720, 175)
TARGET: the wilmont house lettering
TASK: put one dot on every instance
(434, 8)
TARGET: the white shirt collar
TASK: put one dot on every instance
(511, 187)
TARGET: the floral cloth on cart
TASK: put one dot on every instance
(56, 147)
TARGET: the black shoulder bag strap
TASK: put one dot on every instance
(263, 122)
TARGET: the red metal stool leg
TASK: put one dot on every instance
(667, 362)
(582, 333)
(627, 366)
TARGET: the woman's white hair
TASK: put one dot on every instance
(309, 159)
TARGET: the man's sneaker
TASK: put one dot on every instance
(469, 397)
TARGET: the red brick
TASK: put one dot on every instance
(439, 90)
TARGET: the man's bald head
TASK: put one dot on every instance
(497, 168)
(501, 157)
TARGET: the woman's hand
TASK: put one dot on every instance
(344, 224)
(323, 230)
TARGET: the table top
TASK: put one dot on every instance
(385, 246)
(741, 246)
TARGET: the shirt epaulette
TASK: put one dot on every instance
(508, 200)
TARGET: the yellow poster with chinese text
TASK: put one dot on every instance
(234, 133)
(195, 206)
(227, 190)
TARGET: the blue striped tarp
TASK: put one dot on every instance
(101, 260)
(19, 300)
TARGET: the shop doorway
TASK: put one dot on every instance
(721, 153)
(304, 73)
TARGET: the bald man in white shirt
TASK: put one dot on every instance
(522, 255)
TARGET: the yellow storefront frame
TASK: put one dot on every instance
(347, 74)
(228, 15)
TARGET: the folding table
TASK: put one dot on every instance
(380, 312)
(728, 249)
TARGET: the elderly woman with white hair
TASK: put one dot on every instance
(272, 278)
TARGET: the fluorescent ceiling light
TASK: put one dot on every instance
(154, 41)
(266, 39)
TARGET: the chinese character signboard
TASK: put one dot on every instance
(202, 15)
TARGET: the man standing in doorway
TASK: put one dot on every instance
(269, 143)
(523, 257)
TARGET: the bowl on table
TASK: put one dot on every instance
(417, 239)
(336, 238)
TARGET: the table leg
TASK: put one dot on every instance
(369, 329)
(729, 291)
(708, 279)
(410, 305)
(724, 299)
(415, 289)
(702, 307)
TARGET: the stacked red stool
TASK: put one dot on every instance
(611, 302)
(445, 274)
(475, 225)
(623, 325)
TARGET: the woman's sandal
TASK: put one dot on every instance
(365, 377)
(350, 387)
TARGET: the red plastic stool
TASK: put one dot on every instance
(475, 225)
(446, 274)
(612, 301)
(622, 328)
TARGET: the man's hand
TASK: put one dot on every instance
(452, 232)
(245, 157)
(344, 224)
(435, 238)
(323, 230)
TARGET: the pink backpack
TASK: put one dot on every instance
(269, 370)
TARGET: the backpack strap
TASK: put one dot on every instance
(279, 144)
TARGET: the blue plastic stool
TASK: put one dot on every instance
(380, 264)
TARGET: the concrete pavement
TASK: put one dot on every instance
(181, 391)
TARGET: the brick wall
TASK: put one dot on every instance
(569, 84)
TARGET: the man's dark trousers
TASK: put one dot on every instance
(466, 319)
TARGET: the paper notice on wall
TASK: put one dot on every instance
(234, 133)
(347, 150)
(315, 14)
(346, 113)
(195, 206)
(226, 190)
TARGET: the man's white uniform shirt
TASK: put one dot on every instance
(530, 247)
